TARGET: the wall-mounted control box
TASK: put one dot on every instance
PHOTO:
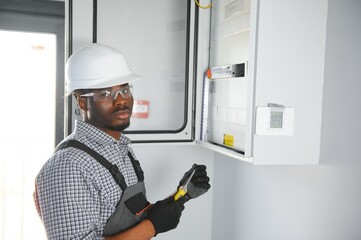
(237, 119)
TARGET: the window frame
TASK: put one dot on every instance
(42, 17)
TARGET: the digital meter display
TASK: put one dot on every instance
(276, 120)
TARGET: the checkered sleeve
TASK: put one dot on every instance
(69, 201)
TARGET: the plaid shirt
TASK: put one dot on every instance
(75, 195)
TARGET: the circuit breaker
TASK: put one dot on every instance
(225, 106)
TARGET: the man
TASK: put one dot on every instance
(92, 187)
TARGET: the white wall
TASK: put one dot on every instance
(317, 202)
(164, 166)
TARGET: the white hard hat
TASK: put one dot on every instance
(97, 66)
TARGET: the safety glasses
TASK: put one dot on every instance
(109, 95)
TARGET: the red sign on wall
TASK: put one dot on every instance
(140, 109)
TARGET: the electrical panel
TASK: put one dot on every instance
(262, 92)
(224, 108)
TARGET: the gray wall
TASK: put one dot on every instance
(305, 202)
(164, 165)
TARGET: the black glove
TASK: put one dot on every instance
(165, 214)
(199, 183)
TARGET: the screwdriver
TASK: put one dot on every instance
(183, 189)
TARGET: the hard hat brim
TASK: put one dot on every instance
(105, 83)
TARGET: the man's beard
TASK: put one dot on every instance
(120, 127)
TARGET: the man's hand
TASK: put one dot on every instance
(165, 214)
(199, 183)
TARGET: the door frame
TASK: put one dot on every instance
(41, 17)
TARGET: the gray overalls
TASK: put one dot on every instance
(133, 204)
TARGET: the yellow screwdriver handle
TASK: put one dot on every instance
(181, 192)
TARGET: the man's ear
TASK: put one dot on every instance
(82, 103)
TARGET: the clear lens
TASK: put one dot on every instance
(126, 92)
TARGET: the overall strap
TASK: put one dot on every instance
(136, 165)
(113, 169)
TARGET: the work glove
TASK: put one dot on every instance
(165, 214)
(198, 185)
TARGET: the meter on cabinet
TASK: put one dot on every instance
(274, 120)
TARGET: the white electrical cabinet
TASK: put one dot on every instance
(271, 113)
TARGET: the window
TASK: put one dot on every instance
(32, 108)
(28, 99)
